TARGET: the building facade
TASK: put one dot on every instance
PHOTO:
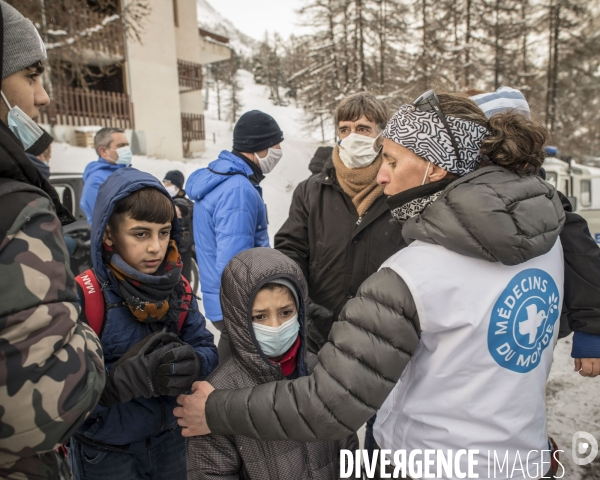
(149, 84)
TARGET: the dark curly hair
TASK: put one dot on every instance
(515, 142)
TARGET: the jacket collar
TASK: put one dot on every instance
(257, 174)
(15, 165)
(328, 177)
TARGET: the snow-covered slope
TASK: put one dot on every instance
(211, 20)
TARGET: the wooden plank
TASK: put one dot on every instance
(73, 104)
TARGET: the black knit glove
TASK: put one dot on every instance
(178, 369)
(134, 374)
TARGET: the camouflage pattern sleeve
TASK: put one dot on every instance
(51, 364)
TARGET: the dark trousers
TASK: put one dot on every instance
(223, 346)
(161, 458)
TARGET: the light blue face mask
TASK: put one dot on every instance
(276, 341)
(125, 156)
(24, 128)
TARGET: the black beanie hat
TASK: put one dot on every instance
(256, 131)
(175, 177)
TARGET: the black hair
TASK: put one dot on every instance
(147, 204)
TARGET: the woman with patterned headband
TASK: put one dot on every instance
(484, 272)
(466, 314)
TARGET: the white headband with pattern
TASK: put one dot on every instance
(424, 134)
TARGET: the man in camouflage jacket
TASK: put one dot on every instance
(51, 365)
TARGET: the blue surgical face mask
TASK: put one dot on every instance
(24, 128)
(276, 341)
(125, 156)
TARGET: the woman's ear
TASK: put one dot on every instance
(106, 237)
(436, 173)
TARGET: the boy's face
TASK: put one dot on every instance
(272, 308)
(24, 89)
(142, 245)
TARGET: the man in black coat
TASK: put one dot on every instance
(338, 230)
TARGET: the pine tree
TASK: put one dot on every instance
(234, 103)
(267, 67)
(399, 48)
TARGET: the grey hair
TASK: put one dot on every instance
(102, 138)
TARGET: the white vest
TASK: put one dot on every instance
(477, 379)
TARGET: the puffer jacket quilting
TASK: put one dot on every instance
(242, 457)
(229, 216)
(499, 226)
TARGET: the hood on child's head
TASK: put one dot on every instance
(242, 278)
(119, 185)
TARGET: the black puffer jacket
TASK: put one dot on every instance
(490, 214)
(238, 456)
(335, 251)
(582, 274)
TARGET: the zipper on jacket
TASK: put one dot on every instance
(360, 219)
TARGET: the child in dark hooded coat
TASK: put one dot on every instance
(263, 297)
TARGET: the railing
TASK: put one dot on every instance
(190, 76)
(192, 127)
(79, 107)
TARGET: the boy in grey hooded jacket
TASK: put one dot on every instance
(238, 456)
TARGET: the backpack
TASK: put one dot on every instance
(94, 307)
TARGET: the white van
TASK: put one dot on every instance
(581, 183)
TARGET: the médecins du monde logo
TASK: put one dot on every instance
(523, 320)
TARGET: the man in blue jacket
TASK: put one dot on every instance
(114, 153)
(229, 213)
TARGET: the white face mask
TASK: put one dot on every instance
(276, 341)
(268, 163)
(124, 156)
(24, 128)
(356, 151)
(172, 190)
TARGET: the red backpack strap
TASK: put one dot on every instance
(93, 305)
(186, 300)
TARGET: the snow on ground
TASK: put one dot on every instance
(572, 401)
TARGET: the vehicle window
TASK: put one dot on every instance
(586, 193)
(552, 178)
(565, 189)
(66, 195)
